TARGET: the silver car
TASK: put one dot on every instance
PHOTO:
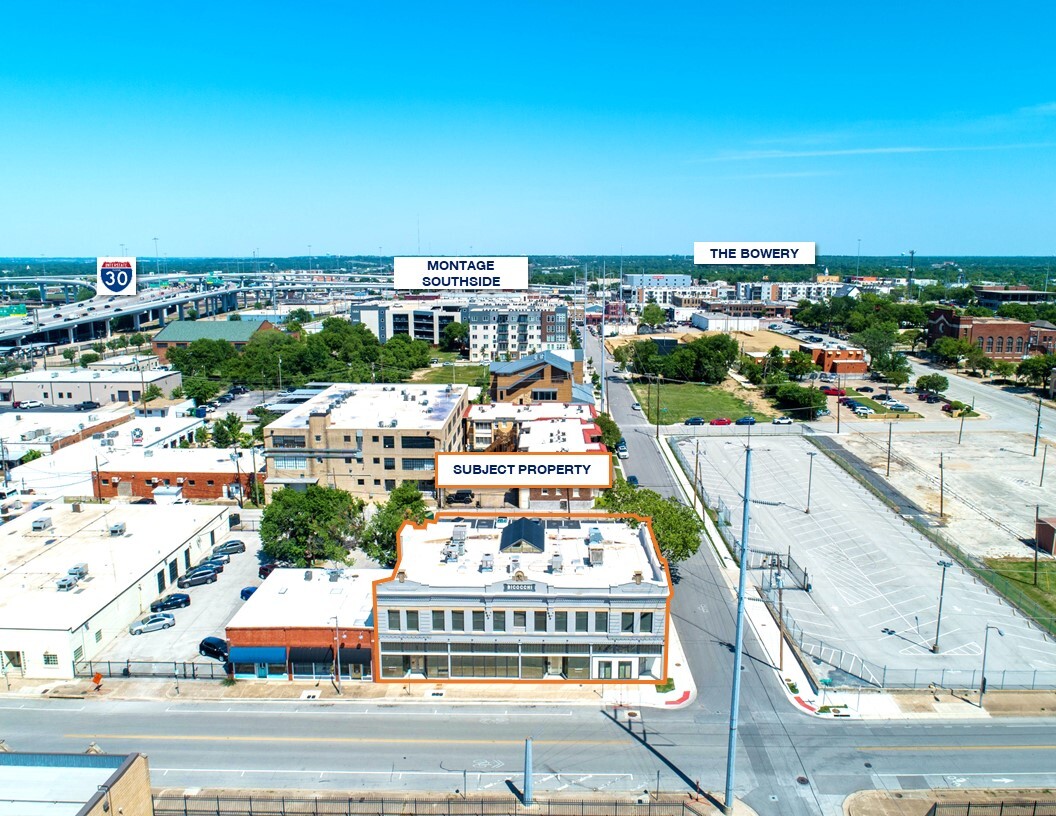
(151, 623)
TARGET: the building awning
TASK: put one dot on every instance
(257, 654)
(359, 655)
(311, 654)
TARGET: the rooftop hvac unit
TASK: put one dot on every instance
(595, 535)
(557, 563)
(597, 555)
(307, 575)
(458, 535)
(381, 423)
(334, 574)
(487, 562)
(392, 423)
(117, 529)
(515, 563)
(148, 453)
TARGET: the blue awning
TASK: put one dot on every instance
(257, 654)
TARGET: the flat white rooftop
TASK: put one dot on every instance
(47, 426)
(355, 406)
(54, 784)
(558, 436)
(624, 551)
(81, 375)
(511, 412)
(31, 562)
(287, 598)
(183, 460)
(68, 472)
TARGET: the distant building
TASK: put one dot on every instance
(497, 333)
(25, 431)
(201, 473)
(1000, 338)
(544, 377)
(835, 360)
(67, 387)
(84, 784)
(419, 321)
(126, 362)
(667, 281)
(184, 332)
(563, 599)
(994, 297)
(366, 439)
(709, 321)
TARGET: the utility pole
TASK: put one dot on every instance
(909, 283)
(890, 430)
(738, 638)
(1044, 456)
(659, 379)
(942, 485)
(810, 478)
(858, 263)
(604, 387)
(942, 590)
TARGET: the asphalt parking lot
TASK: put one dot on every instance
(873, 605)
(212, 606)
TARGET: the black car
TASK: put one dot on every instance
(230, 547)
(460, 497)
(214, 564)
(695, 421)
(178, 600)
(87, 405)
(196, 577)
(213, 647)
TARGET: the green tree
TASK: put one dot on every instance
(1036, 370)
(316, 524)
(878, 340)
(30, 455)
(190, 314)
(236, 317)
(1018, 311)
(264, 418)
(405, 504)
(652, 315)
(151, 392)
(84, 293)
(99, 348)
(949, 351)
(227, 431)
(70, 354)
(201, 436)
(610, 431)
(1004, 368)
(676, 527)
(176, 393)
(800, 401)
(935, 383)
(299, 315)
(454, 337)
(897, 370)
(90, 357)
(137, 340)
(200, 389)
(799, 365)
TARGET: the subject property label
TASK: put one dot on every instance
(503, 470)
(753, 252)
(458, 274)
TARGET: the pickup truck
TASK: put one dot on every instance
(87, 405)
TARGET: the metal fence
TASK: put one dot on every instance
(1023, 808)
(204, 805)
(793, 574)
(205, 670)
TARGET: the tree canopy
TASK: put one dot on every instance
(316, 524)
(405, 504)
(676, 527)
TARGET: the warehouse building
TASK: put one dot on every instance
(73, 576)
(199, 473)
(541, 599)
(69, 387)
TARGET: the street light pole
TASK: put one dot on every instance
(942, 590)
(890, 430)
(337, 654)
(986, 644)
(1037, 428)
(659, 379)
(810, 478)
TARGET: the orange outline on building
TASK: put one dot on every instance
(444, 514)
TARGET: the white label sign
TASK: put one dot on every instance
(115, 276)
(753, 252)
(484, 470)
(457, 274)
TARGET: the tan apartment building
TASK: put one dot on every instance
(366, 438)
(543, 377)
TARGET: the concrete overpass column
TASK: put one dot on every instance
(135, 321)
(66, 293)
(179, 311)
(43, 293)
(69, 333)
(161, 318)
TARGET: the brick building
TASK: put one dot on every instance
(184, 332)
(202, 473)
(288, 629)
(543, 377)
(1000, 338)
(835, 360)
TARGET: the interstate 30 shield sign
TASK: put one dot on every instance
(115, 276)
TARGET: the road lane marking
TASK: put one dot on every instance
(352, 740)
(956, 748)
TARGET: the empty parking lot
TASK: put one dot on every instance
(875, 581)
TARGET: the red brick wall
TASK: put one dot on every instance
(304, 636)
(842, 361)
(141, 487)
(80, 436)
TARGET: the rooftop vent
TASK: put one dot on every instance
(637, 576)
(487, 562)
(557, 563)
(401, 576)
(597, 555)
(307, 575)
(117, 529)
(595, 535)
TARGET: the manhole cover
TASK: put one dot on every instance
(802, 780)
(632, 715)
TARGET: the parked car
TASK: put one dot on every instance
(196, 577)
(632, 480)
(247, 592)
(834, 392)
(863, 410)
(897, 407)
(721, 421)
(695, 421)
(636, 406)
(746, 420)
(231, 547)
(621, 453)
(948, 408)
(460, 497)
(868, 389)
(87, 405)
(922, 396)
(933, 399)
(215, 564)
(151, 623)
(822, 412)
(223, 558)
(266, 570)
(178, 600)
(213, 647)
(781, 420)
(27, 404)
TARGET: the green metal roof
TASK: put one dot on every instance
(187, 331)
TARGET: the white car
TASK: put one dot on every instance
(636, 406)
(31, 404)
(782, 420)
(863, 410)
(151, 623)
(621, 453)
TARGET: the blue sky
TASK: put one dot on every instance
(525, 128)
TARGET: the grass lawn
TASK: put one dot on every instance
(680, 401)
(466, 375)
(1015, 577)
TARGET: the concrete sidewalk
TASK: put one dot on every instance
(919, 803)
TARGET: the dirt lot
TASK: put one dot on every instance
(991, 483)
(751, 340)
